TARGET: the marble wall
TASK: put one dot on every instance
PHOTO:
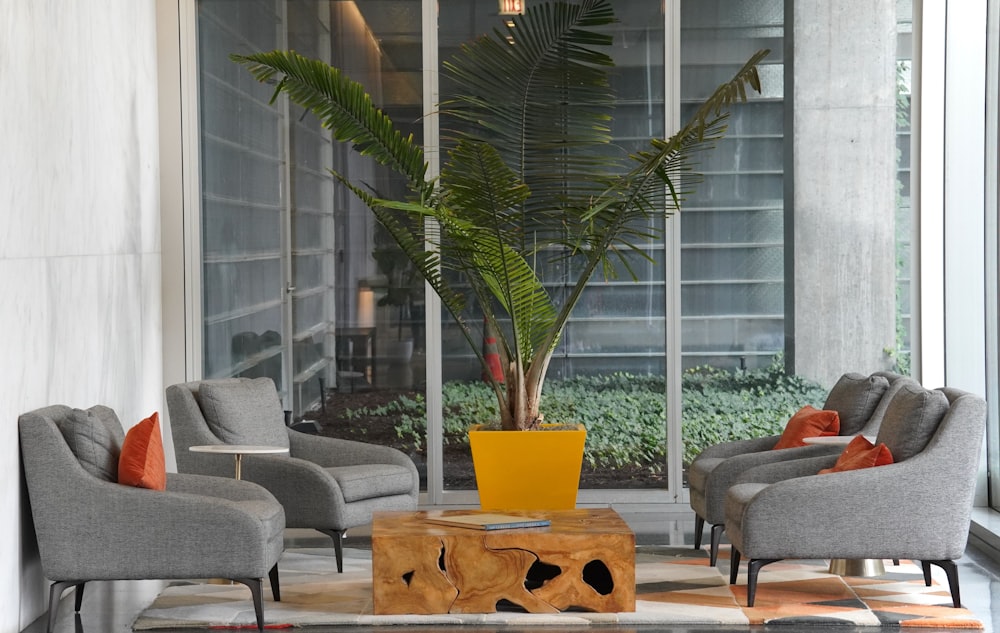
(79, 237)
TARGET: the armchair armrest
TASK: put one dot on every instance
(135, 533)
(297, 483)
(218, 487)
(739, 447)
(330, 452)
(731, 470)
(773, 472)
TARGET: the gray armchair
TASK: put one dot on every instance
(856, 399)
(325, 484)
(89, 527)
(917, 508)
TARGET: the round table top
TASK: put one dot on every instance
(836, 440)
(238, 449)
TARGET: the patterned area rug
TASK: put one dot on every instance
(673, 586)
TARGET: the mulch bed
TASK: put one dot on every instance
(459, 474)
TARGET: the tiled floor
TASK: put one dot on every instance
(110, 607)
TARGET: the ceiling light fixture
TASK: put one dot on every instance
(511, 7)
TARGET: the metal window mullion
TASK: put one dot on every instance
(287, 391)
(672, 261)
(992, 263)
(432, 312)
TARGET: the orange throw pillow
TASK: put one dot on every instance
(142, 463)
(860, 453)
(808, 422)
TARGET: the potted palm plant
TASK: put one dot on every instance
(529, 169)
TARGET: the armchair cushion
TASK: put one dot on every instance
(142, 463)
(808, 422)
(855, 397)
(369, 481)
(911, 420)
(92, 441)
(860, 453)
(244, 411)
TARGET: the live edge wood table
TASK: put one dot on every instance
(585, 559)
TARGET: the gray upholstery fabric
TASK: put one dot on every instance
(854, 398)
(918, 508)
(365, 481)
(720, 466)
(89, 528)
(323, 483)
(244, 411)
(93, 441)
(787, 469)
(896, 383)
(910, 420)
(709, 478)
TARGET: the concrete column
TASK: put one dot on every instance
(840, 194)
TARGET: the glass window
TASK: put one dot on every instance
(755, 270)
(614, 344)
(299, 283)
(243, 209)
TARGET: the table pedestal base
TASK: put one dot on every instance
(857, 567)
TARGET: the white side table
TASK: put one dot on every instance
(835, 440)
(238, 451)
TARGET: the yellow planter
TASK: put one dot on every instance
(527, 470)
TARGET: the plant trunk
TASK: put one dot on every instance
(519, 406)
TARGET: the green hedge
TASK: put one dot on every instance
(720, 406)
(624, 413)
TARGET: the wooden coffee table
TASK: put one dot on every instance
(584, 559)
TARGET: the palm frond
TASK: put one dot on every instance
(483, 191)
(539, 92)
(412, 243)
(344, 107)
(653, 185)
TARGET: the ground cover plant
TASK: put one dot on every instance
(624, 415)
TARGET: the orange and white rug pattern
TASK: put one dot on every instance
(674, 585)
(804, 592)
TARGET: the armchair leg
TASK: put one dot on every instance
(275, 587)
(56, 590)
(257, 592)
(338, 546)
(951, 569)
(78, 598)
(753, 567)
(699, 527)
(734, 564)
(717, 530)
